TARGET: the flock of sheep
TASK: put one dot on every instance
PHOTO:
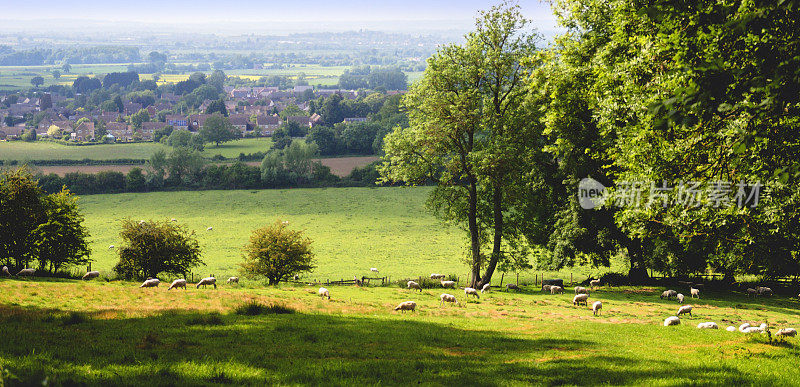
(581, 297)
(694, 291)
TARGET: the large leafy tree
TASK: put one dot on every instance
(277, 253)
(468, 128)
(62, 239)
(21, 212)
(154, 247)
(218, 129)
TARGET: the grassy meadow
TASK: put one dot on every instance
(46, 150)
(70, 332)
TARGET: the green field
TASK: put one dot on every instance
(73, 332)
(45, 150)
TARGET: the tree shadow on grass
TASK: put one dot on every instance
(188, 348)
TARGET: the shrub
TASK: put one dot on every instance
(150, 248)
(206, 319)
(277, 253)
(254, 308)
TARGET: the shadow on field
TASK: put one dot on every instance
(193, 348)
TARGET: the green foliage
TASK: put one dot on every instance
(218, 129)
(254, 308)
(29, 135)
(152, 247)
(62, 239)
(217, 106)
(37, 81)
(21, 212)
(138, 118)
(277, 253)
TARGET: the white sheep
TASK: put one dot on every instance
(546, 288)
(207, 281)
(90, 275)
(672, 320)
(6, 272)
(759, 329)
(414, 285)
(26, 272)
(581, 290)
(437, 276)
(448, 284)
(471, 291)
(512, 286)
(324, 293)
(731, 328)
(111, 247)
(764, 291)
(707, 325)
(141, 221)
(744, 327)
(686, 309)
(373, 269)
(174, 220)
(596, 307)
(786, 332)
(285, 222)
(210, 228)
(150, 283)
(486, 288)
(695, 292)
(580, 298)
(594, 283)
(556, 289)
(178, 283)
(447, 298)
(680, 298)
(751, 292)
(233, 280)
(406, 305)
(668, 293)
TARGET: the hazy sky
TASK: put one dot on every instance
(206, 11)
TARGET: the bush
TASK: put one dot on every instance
(277, 253)
(150, 248)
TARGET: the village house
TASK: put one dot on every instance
(83, 132)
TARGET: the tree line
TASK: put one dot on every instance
(667, 94)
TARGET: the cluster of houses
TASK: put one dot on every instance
(252, 111)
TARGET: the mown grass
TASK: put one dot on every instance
(154, 336)
(46, 150)
(353, 229)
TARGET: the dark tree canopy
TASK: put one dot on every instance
(151, 248)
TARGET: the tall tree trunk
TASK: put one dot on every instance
(475, 247)
(497, 201)
(638, 271)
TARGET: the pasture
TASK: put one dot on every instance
(46, 150)
(71, 332)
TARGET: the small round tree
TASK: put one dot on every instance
(277, 253)
(152, 247)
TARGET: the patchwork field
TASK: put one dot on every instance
(46, 150)
(115, 333)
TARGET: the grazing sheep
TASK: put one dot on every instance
(512, 286)
(472, 291)
(448, 284)
(285, 222)
(594, 283)
(744, 327)
(669, 293)
(672, 320)
(581, 298)
(764, 291)
(695, 292)
(759, 329)
(210, 228)
(174, 220)
(111, 247)
(546, 288)
(786, 332)
(486, 288)
(6, 272)
(686, 309)
(707, 325)
(141, 221)
(596, 307)
(233, 280)
(731, 328)
(680, 298)
(437, 276)
(178, 283)
(90, 275)
(447, 298)
(556, 289)
(207, 281)
(150, 283)
(26, 272)
(581, 290)
(373, 269)
(752, 292)
(414, 285)
(406, 305)
(324, 293)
